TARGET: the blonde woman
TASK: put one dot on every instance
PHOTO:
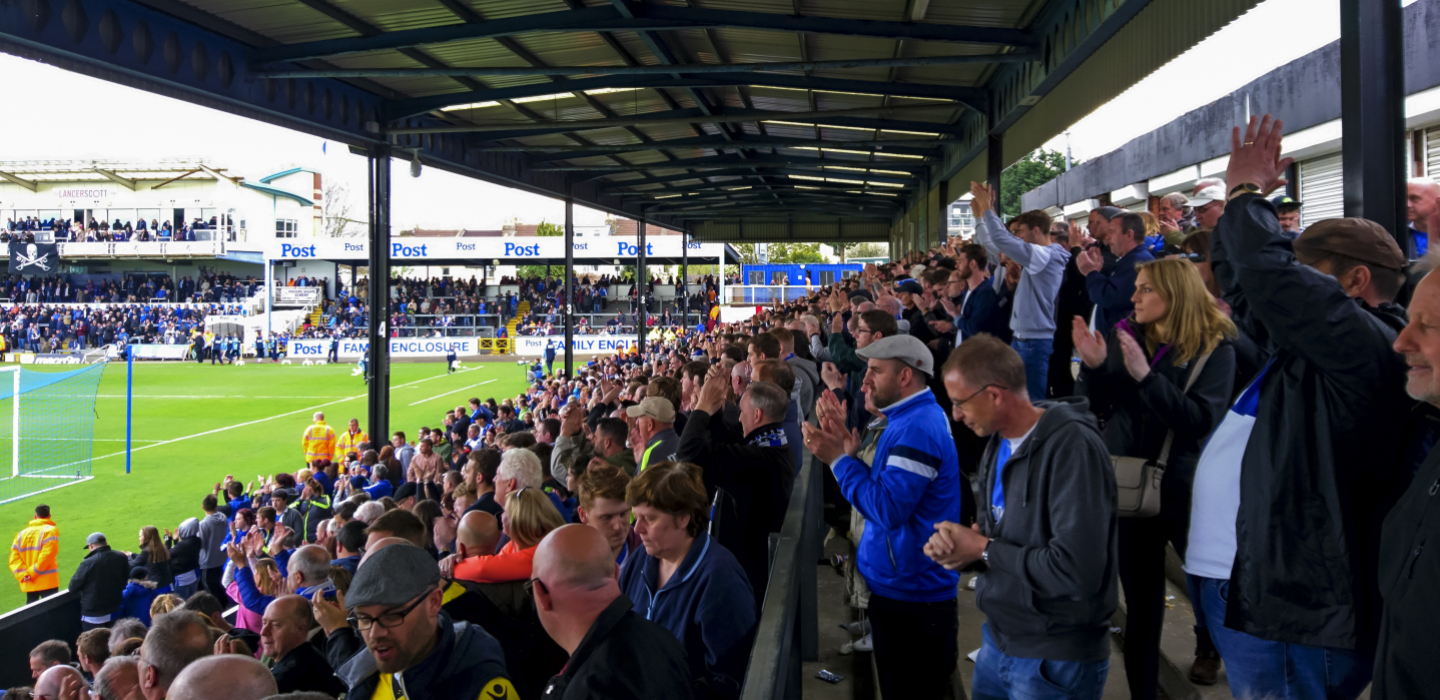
(529, 516)
(1135, 378)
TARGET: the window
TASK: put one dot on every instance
(286, 228)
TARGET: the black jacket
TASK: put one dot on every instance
(758, 477)
(101, 579)
(1324, 463)
(160, 571)
(305, 669)
(624, 656)
(185, 555)
(1139, 414)
(465, 663)
(1405, 658)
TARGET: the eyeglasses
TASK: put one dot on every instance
(982, 390)
(530, 586)
(388, 620)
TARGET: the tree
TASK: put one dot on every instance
(1032, 171)
(335, 210)
(548, 229)
(867, 250)
(544, 229)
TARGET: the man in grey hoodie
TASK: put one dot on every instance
(213, 529)
(1048, 537)
(1032, 316)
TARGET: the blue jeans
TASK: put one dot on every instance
(1035, 353)
(998, 675)
(1258, 667)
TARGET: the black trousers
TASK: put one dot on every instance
(37, 595)
(915, 646)
(1142, 572)
(210, 580)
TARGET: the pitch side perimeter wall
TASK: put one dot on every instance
(351, 349)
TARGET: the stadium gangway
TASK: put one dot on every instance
(789, 632)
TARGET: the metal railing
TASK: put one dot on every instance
(762, 294)
(789, 629)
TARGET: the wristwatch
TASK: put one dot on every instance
(985, 553)
(1243, 188)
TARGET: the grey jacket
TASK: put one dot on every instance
(1032, 316)
(807, 378)
(1051, 585)
(213, 529)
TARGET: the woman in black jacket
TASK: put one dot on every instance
(184, 546)
(1135, 379)
(155, 557)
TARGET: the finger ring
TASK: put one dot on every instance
(1249, 143)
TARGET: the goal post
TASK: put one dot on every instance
(51, 428)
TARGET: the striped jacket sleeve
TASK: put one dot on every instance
(888, 492)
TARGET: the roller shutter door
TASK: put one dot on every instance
(1321, 189)
(1432, 152)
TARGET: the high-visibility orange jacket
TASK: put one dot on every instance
(318, 442)
(33, 556)
(349, 442)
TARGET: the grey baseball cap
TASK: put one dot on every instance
(393, 576)
(905, 348)
(95, 538)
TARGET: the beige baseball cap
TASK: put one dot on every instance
(655, 407)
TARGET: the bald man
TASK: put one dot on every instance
(49, 684)
(229, 676)
(298, 665)
(478, 535)
(613, 651)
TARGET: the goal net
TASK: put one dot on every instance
(47, 426)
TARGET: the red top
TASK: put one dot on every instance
(511, 564)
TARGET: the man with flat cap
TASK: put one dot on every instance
(414, 650)
(913, 482)
(1294, 485)
(614, 652)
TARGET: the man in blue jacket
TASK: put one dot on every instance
(913, 483)
(1111, 293)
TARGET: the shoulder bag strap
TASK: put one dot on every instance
(1170, 436)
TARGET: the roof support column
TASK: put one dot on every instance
(942, 213)
(685, 279)
(378, 365)
(1372, 98)
(995, 166)
(642, 279)
(569, 308)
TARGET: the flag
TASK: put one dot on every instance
(34, 258)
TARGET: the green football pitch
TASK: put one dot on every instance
(193, 424)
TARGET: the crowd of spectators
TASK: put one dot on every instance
(607, 533)
(207, 288)
(454, 307)
(69, 230)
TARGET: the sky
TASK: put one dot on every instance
(1271, 34)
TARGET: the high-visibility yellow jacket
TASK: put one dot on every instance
(33, 556)
(349, 443)
(318, 442)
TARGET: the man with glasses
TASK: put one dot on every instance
(1050, 586)
(414, 650)
(870, 326)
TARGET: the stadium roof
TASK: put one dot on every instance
(733, 119)
(125, 172)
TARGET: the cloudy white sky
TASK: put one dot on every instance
(1275, 32)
